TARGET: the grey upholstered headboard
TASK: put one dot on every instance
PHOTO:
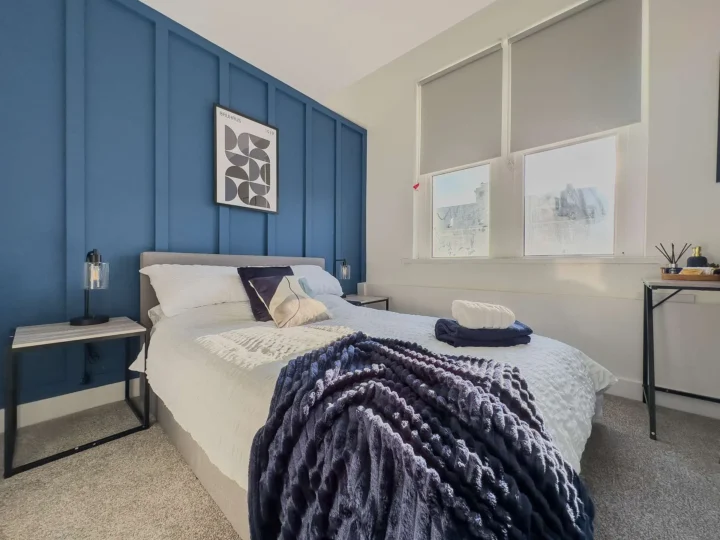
(148, 300)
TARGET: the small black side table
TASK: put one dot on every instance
(358, 300)
(26, 338)
(649, 387)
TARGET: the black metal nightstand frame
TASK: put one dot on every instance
(11, 401)
(360, 304)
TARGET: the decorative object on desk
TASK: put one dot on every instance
(672, 259)
(344, 269)
(97, 276)
(246, 157)
(704, 271)
(693, 274)
(697, 260)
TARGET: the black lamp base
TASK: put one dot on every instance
(87, 321)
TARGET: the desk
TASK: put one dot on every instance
(649, 387)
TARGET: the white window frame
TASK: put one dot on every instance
(424, 203)
(629, 219)
(507, 187)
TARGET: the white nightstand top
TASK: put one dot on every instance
(52, 334)
(362, 300)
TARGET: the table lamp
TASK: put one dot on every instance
(97, 276)
(344, 269)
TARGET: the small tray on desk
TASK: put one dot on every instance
(689, 277)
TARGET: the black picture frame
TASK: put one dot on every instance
(217, 195)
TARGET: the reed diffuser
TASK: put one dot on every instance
(672, 258)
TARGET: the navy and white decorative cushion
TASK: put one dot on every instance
(251, 272)
(286, 301)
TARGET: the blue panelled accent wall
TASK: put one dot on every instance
(106, 125)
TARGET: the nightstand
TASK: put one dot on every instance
(357, 300)
(26, 338)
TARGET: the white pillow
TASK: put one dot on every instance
(319, 281)
(180, 287)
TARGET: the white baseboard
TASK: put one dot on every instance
(48, 409)
(633, 390)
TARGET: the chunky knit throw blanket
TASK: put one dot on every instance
(379, 438)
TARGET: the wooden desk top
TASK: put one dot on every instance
(680, 284)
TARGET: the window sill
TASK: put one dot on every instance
(650, 261)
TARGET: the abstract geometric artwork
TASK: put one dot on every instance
(246, 155)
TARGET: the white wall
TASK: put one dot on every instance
(594, 306)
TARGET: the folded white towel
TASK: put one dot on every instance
(476, 315)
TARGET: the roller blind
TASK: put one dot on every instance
(578, 76)
(461, 114)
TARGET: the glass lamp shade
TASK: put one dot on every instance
(344, 271)
(97, 275)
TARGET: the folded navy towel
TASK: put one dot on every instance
(451, 332)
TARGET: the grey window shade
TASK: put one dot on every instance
(461, 115)
(578, 76)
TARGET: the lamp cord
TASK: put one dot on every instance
(297, 297)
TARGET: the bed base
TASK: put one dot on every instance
(227, 494)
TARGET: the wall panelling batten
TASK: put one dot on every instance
(162, 153)
(271, 95)
(224, 211)
(307, 248)
(74, 153)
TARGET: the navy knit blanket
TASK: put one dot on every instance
(379, 438)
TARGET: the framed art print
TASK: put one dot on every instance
(246, 158)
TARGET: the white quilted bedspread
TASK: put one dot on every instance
(222, 401)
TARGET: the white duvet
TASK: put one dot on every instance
(222, 402)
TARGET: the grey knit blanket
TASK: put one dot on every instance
(378, 438)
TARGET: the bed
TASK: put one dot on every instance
(211, 405)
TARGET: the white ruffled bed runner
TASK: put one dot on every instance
(251, 347)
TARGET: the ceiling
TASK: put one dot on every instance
(318, 46)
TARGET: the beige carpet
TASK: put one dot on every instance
(139, 486)
(136, 487)
(667, 489)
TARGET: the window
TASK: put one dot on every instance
(550, 121)
(570, 199)
(461, 133)
(460, 213)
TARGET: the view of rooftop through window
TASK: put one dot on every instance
(570, 199)
(460, 213)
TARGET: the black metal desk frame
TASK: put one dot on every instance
(11, 401)
(649, 387)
